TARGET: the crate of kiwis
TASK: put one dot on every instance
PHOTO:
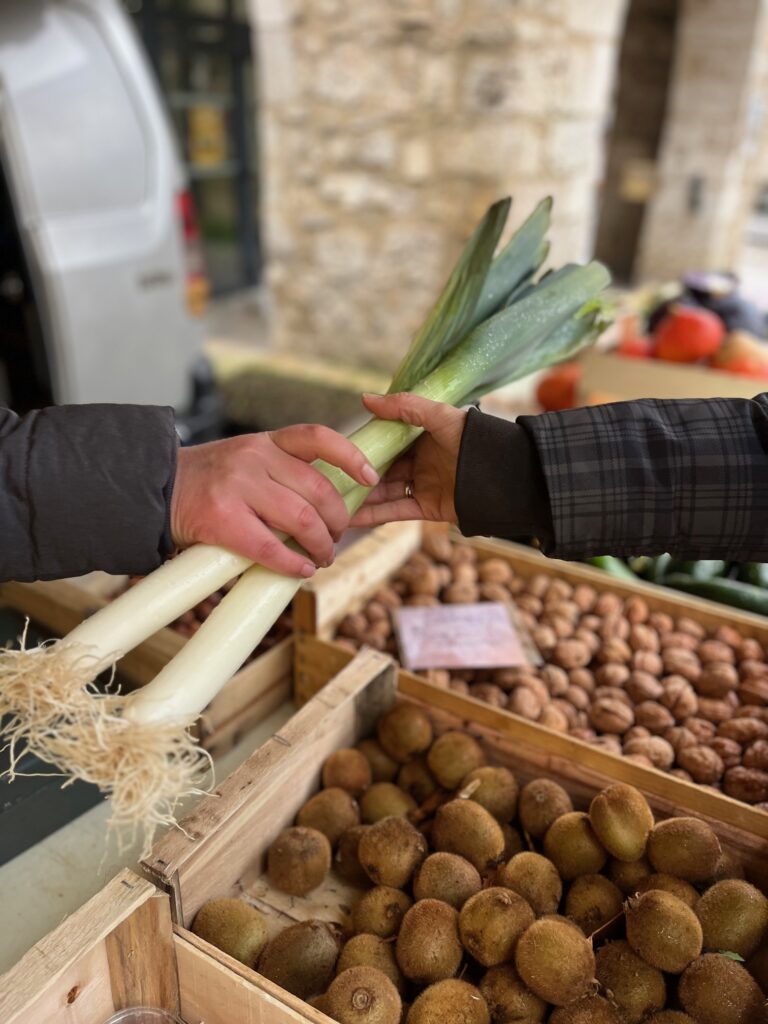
(671, 682)
(382, 860)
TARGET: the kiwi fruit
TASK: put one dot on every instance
(628, 875)
(233, 927)
(404, 732)
(716, 990)
(428, 947)
(590, 1010)
(331, 811)
(513, 841)
(491, 922)
(385, 800)
(622, 821)
(380, 911)
(466, 828)
(663, 930)
(540, 803)
(383, 767)
(729, 866)
(555, 960)
(298, 860)
(573, 847)
(734, 917)
(670, 1017)
(495, 789)
(346, 863)
(757, 965)
(391, 850)
(635, 987)
(363, 995)
(417, 780)
(301, 959)
(451, 1000)
(592, 901)
(447, 877)
(370, 951)
(452, 756)
(684, 847)
(535, 878)
(347, 769)
(668, 883)
(508, 998)
(319, 1002)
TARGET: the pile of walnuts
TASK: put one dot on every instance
(661, 690)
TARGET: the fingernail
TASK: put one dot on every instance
(371, 394)
(308, 570)
(370, 475)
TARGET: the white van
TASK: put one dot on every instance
(101, 277)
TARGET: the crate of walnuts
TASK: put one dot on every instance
(384, 859)
(675, 683)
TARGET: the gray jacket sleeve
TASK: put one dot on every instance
(85, 487)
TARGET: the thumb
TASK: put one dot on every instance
(411, 409)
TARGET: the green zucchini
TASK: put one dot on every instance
(755, 573)
(703, 569)
(731, 592)
(659, 567)
(613, 566)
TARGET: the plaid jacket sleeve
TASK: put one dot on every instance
(644, 477)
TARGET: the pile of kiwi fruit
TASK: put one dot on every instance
(483, 902)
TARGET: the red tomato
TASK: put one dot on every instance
(557, 390)
(687, 334)
(635, 347)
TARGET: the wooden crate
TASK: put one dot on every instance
(223, 844)
(252, 694)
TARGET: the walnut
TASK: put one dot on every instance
(751, 669)
(612, 675)
(554, 718)
(583, 678)
(584, 596)
(751, 711)
(610, 743)
(582, 720)
(637, 732)
(639, 758)
(571, 654)
(537, 686)
(680, 697)
(592, 622)
(756, 755)
(494, 592)
(643, 638)
(681, 641)
(747, 784)
(615, 650)
(567, 709)
(612, 693)
(654, 716)
(636, 609)
(690, 626)
(562, 626)
(661, 621)
(715, 650)
(729, 751)
(555, 679)
(560, 590)
(464, 572)
(374, 640)
(717, 678)
(584, 734)
(494, 570)
(607, 604)
(656, 749)
(538, 585)
(516, 585)
(437, 545)
(400, 587)
(445, 575)
(679, 737)
(754, 691)
(529, 621)
(523, 701)
(508, 678)
(461, 593)
(743, 730)
(614, 627)
(642, 686)
(679, 773)
(530, 603)
(346, 644)
(588, 637)
(375, 611)
(422, 601)
(701, 728)
(565, 609)
(439, 676)
(680, 662)
(545, 638)
(751, 650)
(611, 716)
(728, 635)
(715, 710)
(647, 661)
(460, 686)
(353, 626)
(578, 697)
(388, 597)
(703, 763)
(463, 553)
(382, 628)
(489, 693)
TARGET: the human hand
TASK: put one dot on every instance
(429, 467)
(234, 493)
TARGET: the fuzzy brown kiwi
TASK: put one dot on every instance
(628, 876)
(234, 927)
(346, 863)
(385, 800)
(466, 828)
(590, 1010)
(366, 950)
(447, 877)
(734, 917)
(391, 850)
(684, 847)
(451, 1000)
(428, 947)
(717, 990)
(622, 821)
(495, 789)
(555, 960)
(491, 922)
(363, 995)
(380, 911)
(535, 878)
(417, 780)
(573, 847)
(404, 732)
(347, 769)
(540, 803)
(319, 1002)
(509, 998)
(383, 767)
(301, 959)
(298, 860)
(452, 756)
(592, 901)
(663, 930)
(670, 1017)
(513, 841)
(633, 985)
(331, 811)
(729, 866)
(668, 883)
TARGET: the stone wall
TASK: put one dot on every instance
(388, 126)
